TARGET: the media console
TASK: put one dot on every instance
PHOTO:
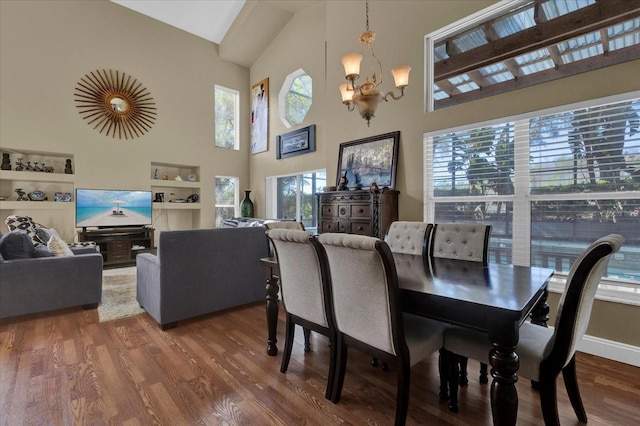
(119, 245)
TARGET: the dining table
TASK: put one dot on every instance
(494, 299)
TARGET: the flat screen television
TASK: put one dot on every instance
(113, 208)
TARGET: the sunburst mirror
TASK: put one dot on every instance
(115, 103)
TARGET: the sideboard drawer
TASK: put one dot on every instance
(329, 210)
(329, 226)
(360, 228)
(360, 210)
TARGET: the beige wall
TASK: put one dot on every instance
(47, 46)
(400, 28)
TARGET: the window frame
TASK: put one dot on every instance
(236, 197)
(284, 91)
(271, 192)
(236, 116)
(619, 291)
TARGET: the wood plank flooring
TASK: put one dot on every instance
(66, 368)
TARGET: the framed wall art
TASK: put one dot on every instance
(298, 142)
(364, 162)
(259, 116)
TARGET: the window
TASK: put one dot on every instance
(549, 183)
(295, 98)
(226, 115)
(226, 199)
(293, 197)
(520, 43)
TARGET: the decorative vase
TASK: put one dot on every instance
(246, 205)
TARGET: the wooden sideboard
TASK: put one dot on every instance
(361, 212)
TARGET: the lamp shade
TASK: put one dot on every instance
(347, 95)
(401, 75)
(351, 62)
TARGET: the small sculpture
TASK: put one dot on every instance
(373, 187)
(342, 183)
(67, 167)
(19, 165)
(156, 174)
(21, 196)
(6, 162)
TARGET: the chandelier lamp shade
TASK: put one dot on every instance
(366, 95)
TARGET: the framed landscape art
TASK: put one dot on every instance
(370, 160)
(298, 142)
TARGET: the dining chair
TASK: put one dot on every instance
(461, 241)
(368, 312)
(305, 290)
(545, 352)
(408, 237)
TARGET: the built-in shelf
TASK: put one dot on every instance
(36, 205)
(176, 206)
(163, 180)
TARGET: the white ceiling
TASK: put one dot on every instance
(209, 19)
(225, 22)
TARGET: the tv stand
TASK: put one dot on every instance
(119, 245)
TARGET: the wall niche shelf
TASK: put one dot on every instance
(48, 182)
(176, 190)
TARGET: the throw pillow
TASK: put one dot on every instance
(57, 247)
(42, 251)
(25, 223)
(16, 245)
(44, 234)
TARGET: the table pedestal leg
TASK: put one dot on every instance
(504, 396)
(272, 314)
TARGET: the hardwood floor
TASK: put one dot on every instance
(66, 368)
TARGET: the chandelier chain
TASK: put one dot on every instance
(367, 13)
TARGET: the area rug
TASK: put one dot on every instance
(118, 294)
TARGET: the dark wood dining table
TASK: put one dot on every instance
(494, 299)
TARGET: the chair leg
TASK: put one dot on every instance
(484, 376)
(341, 367)
(571, 384)
(331, 377)
(454, 374)
(288, 343)
(402, 393)
(443, 369)
(463, 371)
(307, 335)
(549, 401)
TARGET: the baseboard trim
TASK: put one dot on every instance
(610, 349)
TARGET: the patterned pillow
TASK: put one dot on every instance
(26, 224)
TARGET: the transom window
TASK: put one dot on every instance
(520, 43)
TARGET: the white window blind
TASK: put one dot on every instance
(549, 183)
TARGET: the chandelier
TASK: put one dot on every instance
(366, 96)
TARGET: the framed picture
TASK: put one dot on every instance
(298, 142)
(259, 116)
(367, 161)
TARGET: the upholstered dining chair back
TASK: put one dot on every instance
(304, 288)
(361, 273)
(284, 224)
(543, 352)
(409, 237)
(461, 241)
(574, 308)
(368, 313)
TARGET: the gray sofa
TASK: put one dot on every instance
(201, 271)
(44, 284)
